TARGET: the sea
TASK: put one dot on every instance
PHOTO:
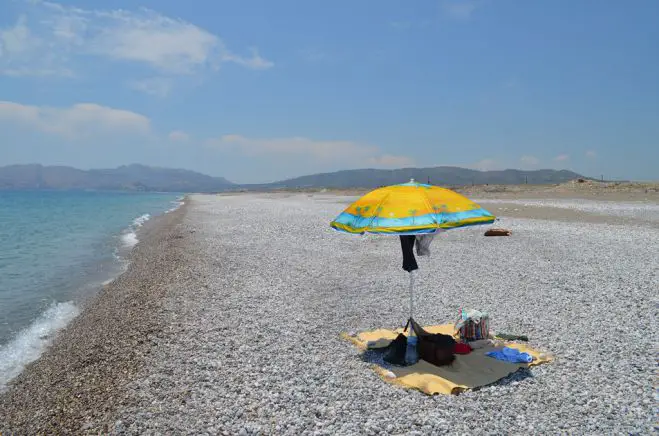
(56, 250)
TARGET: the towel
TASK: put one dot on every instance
(407, 245)
(511, 355)
(423, 244)
(468, 371)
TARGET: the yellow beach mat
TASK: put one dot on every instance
(468, 371)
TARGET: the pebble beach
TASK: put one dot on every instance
(228, 321)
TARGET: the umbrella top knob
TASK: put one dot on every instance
(412, 180)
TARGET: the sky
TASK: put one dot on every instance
(262, 90)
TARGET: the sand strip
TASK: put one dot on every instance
(515, 210)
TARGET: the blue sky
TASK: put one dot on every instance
(263, 90)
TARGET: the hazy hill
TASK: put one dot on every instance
(143, 178)
(130, 177)
(447, 176)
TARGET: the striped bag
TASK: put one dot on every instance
(472, 325)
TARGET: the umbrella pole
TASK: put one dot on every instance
(411, 294)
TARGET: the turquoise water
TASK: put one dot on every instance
(56, 249)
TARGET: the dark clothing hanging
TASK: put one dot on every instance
(407, 245)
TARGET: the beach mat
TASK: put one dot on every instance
(468, 371)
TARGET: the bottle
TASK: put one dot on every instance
(411, 353)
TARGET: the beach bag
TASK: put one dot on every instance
(434, 348)
(473, 325)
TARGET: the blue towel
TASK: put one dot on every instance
(512, 355)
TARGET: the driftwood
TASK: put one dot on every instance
(498, 232)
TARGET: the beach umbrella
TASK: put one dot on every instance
(414, 212)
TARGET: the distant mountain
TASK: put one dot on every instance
(126, 178)
(447, 176)
(143, 178)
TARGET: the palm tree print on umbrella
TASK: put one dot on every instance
(439, 212)
(376, 216)
(412, 213)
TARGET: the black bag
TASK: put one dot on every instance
(434, 348)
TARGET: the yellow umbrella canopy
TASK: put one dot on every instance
(408, 209)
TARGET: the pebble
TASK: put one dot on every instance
(265, 288)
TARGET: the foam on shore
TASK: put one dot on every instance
(180, 201)
(28, 345)
(129, 237)
(73, 378)
(30, 342)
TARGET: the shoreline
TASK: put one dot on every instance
(86, 280)
(79, 379)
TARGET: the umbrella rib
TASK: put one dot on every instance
(426, 200)
(376, 210)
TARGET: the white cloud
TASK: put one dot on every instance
(18, 45)
(158, 86)
(79, 120)
(391, 161)
(529, 161)
(323, 150)
(562, 158)
(166, 45)
(36, 72)
(459, 9)
(50, 37)
(254, 62)
(17, 39)
(591, 154)
(318, 151)
(178, 136)
(486, 165)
